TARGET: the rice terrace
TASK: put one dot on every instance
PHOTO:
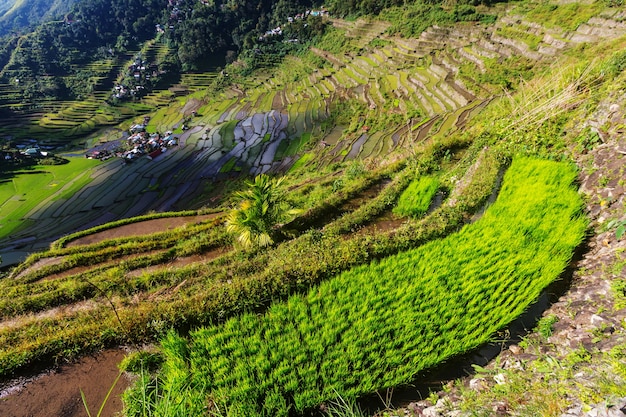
(395, 209)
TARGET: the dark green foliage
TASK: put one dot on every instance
(373, 7)
(53, 160)
(19, 15)
(206, 30)
(200, 34)
(52, 60)
(360, 7)
(283, 9)
(411, 20)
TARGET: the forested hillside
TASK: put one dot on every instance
(56, 60)
(21, 16)
(62, 51)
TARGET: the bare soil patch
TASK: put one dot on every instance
(180, 262)
(81, 269)
(381, 225)
(40, 264)
(143, 228)
(192, 106)
(57, 393)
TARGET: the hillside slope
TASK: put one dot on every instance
(401, 89)
(350, 124)
(16, 15)
(572, 364)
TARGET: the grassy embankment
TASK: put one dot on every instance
(237, 282)
(538, 116)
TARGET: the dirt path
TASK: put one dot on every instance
(179, 262)
(57, 393)
(146, 227)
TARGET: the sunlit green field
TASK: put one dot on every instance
(28, 188)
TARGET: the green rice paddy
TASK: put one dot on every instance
(28, 189)
(379, 325)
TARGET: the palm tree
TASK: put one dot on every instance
(259, 209)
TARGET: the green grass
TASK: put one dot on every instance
(415, 200)
(295, 145)
(302, 161)
(228, 134)
(211, 292)
(229, 166)
(379, 325)
(567, 16)
(201, 293)
(27, 190)
(522, 34)
(29, 293)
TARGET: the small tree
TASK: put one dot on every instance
(259, 209)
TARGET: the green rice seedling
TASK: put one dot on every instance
(213, 291)
(373, 207)
(378, 325)
(416, 199)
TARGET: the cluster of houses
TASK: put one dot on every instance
(24, 154)
(103, 154)
(137, 144)
(29, 148)
(35, 152)
(175, 13)
(138, 74)
(11, 157)
(121, 91)
(300, 16)
(142, 143)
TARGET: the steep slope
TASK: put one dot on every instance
(404, 91)
(572, 364)
(17, 15)
(437, 98)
